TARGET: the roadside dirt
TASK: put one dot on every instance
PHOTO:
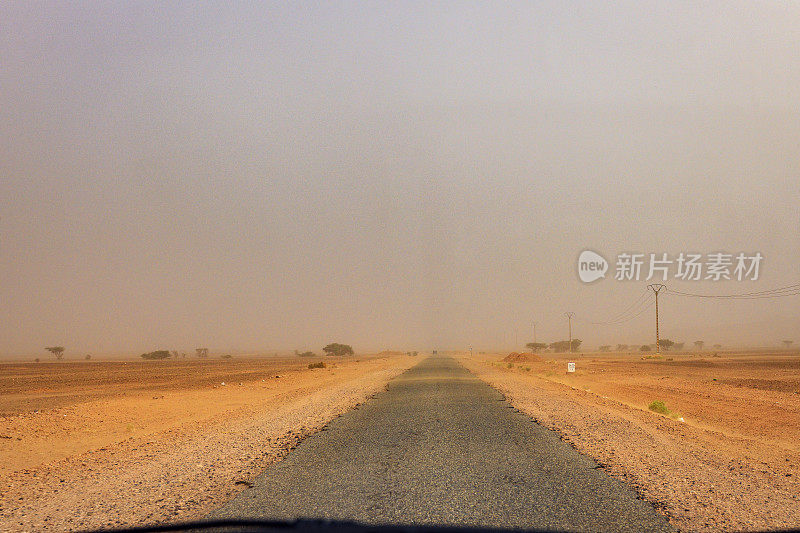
(160, 442)
(726, 457)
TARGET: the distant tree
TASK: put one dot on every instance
(559, 346)
(201, 352)
(88, 357)
(58, 351)
(605, 348)
(788, 344)
(665, 344)
(37, 359)
(622, 347)
(645, 348)
(717, 346)
(534, 346)
(338, 349)
(415, 353)
(158, 354)
(306, 354)
(699, 344)
(563, 346)
(175, 354)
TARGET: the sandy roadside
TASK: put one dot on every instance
(146, 458)
(702, 479)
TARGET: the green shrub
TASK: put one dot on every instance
(316, 365)
(659, 407)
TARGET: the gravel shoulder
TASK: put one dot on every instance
(189, 450)
(703, 478)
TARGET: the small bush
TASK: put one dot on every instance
(306, 354)
(338, 349)
(510, 365)
(226, 356)
(316, 365)
(158, 354)
(658, 407)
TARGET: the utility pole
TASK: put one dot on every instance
(656, 288)
(569, 315)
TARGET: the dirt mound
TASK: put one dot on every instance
(515, 357)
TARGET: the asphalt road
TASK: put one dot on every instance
(442, 447)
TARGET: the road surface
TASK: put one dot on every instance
(442, 447)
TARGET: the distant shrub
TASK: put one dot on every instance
(510, 365)
(645, 348)
(659, 407)
(88, 357)
(307, 354)
(338, 349)
(316, 365)
(58, 351)
(158, 354)
(226, 356)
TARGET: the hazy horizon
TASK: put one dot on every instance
(389, 175)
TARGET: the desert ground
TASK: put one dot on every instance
(103, 444)
(726, 455)
(100, 444)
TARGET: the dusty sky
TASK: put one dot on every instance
(389, 175)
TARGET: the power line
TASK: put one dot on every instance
(789, 290)
(639, 306)
(639, 301)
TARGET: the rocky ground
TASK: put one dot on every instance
(729, 459)
(154, 453)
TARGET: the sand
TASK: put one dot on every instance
(89, 445)
(726, 457)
